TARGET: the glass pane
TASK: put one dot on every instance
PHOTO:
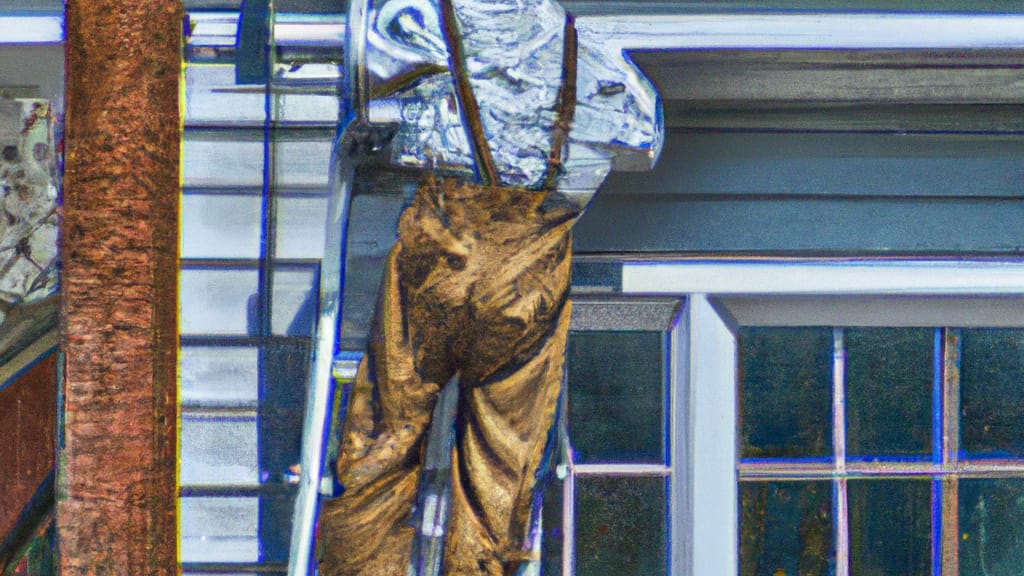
(222, 159)
(785, 392)
(234, 158)
(551, 524)
(620, 527)
(300, 109)
(617, 396)
(300, 226)
(218, 449)
(284, 367)
(890, 527)
(991, 527)
(295, 301)
(889, 391)
(786, 528)
(992, 393)
(597, 276)
(219, 530)
(217, 301)
(220, 226)
(218, 376)
(212, 98)
(303, 163)
(276, 513)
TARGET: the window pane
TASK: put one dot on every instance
(295, 301)
(218, 376)
(304, 109)
(212, 98)
(233, 158)
(616, 396)
(216, 301)
(785, 392)
(551, 524)
(219, 530)
(991, 527)
(303, 163)
(620, 527)
(218, 449)
(992, 393)
(597, 276)
(890, 527)
(276, 513)
(222, 159)
(786, 528)
(300, 226)
(889, 391)
(220, 226)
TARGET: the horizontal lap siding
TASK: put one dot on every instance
(843, 192)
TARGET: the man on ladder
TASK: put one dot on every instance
(475, 290)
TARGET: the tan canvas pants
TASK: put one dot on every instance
(477, 284)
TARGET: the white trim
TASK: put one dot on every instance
(967, 311)
(621, 470)
(852, 31)
(569, 522)
(680, 489)
(825, 277)
(709, 516)
(31, 29)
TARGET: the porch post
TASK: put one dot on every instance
(116, 498)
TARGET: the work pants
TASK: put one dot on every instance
(477, 285)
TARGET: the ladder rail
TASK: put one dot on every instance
(320, 389)
(353, 134)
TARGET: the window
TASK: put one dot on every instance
(255, 172)
(856, 436)
(608, 513)
(879, 450)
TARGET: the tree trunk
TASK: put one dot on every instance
(116, 488)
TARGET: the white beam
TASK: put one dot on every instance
(849, 31)
(825, 277)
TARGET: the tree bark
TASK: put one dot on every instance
(116, 488)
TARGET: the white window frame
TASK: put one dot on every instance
(723, 295)
(666, 321)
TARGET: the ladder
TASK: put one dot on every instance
(333, 369)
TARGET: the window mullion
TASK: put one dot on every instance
(950, 530)
(842, 522)
(709, 475)
(951, 398)
(569, 521)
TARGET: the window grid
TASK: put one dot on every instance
(948, 553)
(944, 467)
(569, 471)
(842, 518)
(259, 154)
